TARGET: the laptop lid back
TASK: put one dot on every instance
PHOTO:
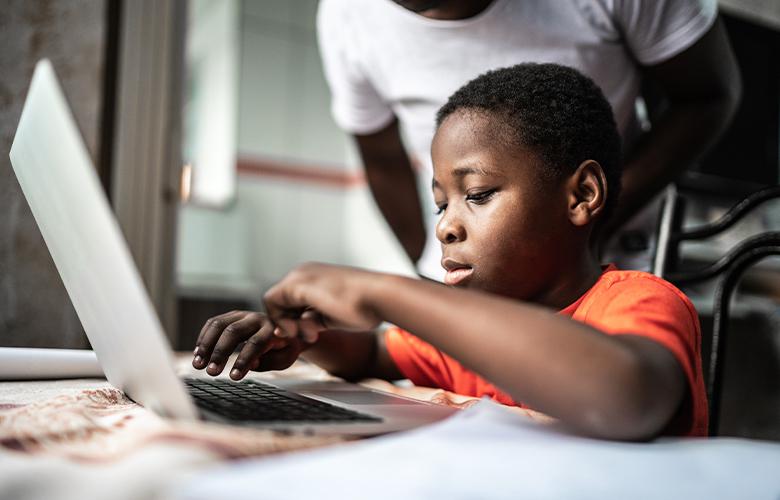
(62, 188)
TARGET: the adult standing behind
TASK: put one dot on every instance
(391, 64)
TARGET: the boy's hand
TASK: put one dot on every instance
(262, 349)
(337, 294)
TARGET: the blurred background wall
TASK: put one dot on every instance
(300, 193)
(34, 307)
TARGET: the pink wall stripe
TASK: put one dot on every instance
(296, 172)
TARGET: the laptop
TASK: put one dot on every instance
(61, 186)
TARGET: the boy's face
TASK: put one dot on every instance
(503, 227)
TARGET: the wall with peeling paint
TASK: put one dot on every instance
(34, 307)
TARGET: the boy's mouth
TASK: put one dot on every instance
(456, 272)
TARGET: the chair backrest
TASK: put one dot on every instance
(729, 268)
(750, 252)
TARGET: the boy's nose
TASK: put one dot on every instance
(448, 230)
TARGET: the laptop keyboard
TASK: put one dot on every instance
(259, 402)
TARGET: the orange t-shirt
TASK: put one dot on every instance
(621, 302)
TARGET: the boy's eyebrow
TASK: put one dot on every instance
(463, 172)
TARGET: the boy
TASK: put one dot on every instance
(526, 162)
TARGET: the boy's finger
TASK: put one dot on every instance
(232, 335)
(286, 328)
(257, 345)
(228, 316)
(209, 335)
(310, 325)
(284, 300)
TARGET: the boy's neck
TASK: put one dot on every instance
(580, 277)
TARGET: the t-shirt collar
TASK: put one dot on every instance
(571, 308)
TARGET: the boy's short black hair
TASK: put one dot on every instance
(554, 110)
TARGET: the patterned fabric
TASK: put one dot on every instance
(102, 424)
(90, 421)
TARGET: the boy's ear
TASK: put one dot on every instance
(586, 193)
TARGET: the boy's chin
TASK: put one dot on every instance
(472, 285)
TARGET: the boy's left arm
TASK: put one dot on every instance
(611, 386)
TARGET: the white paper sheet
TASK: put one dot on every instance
(489, 452)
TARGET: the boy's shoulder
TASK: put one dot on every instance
(633, 292)
(612, 278)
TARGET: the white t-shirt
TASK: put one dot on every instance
(382, 60)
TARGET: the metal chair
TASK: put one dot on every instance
(728, 269)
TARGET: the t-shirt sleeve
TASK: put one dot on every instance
(416, 359)
(356, 105)
(658, 30)
(658, 311)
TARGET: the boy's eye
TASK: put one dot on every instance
(441, 208)
(480, 197)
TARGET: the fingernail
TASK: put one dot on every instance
(198, 360)
(235, 373)
(213, 366)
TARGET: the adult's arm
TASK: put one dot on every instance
(613, 386)
(393, 183)
(703, 88)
